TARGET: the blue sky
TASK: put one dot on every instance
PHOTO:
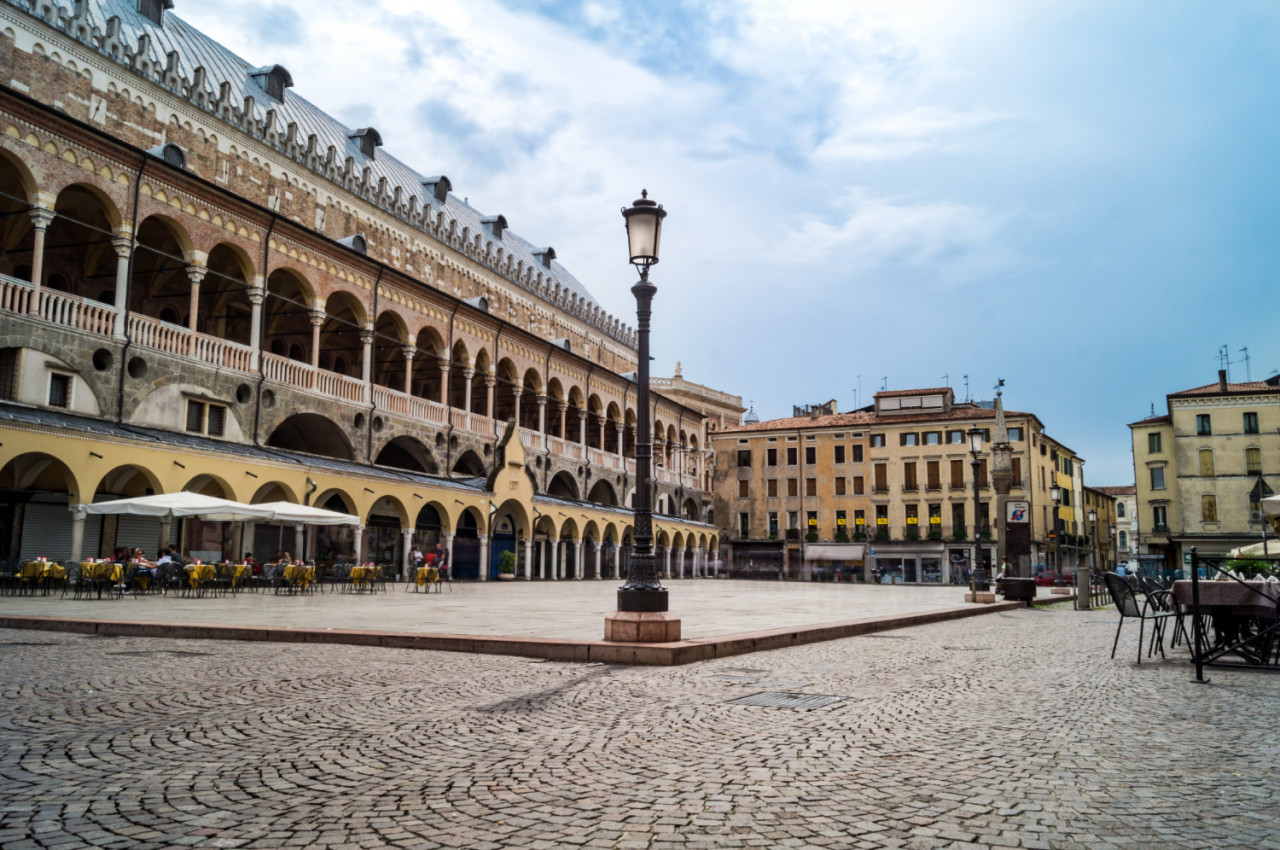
(1078, 198)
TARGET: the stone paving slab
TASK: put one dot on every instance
(1009, 730)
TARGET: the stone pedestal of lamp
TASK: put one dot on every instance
(641, 627)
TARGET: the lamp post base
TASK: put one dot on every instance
(641, 627)
(643, 601)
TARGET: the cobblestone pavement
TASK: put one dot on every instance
(1009, 730)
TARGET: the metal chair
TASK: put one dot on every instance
(1127, 604)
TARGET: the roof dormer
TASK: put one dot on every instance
(153, 10)
(439, 187)
(369, 139)
(274, 79)
(545, 256)
(356, 242)
(496, 224)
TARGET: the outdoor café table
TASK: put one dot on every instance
(103, 573)
(428, 576)
(297, 575)
(1241, 613)
(40, 573)
(199, 575)
(362, 577)
(240, 574)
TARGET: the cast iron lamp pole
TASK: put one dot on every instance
(1055, 493)
(642, 591)
(1084, 602)
(975, 448)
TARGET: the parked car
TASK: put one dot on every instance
(1049, 577)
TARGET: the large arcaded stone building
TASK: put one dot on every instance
(208, 283)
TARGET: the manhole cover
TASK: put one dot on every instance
(774, 699)
(160, 653)
(969, 648)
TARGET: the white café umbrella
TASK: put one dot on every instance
(1271, 506)
(182, 504)
(306, 515)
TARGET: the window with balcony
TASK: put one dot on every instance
(811, 521)
(1253, 461)
(773, 523)
(771, 488)
(793, 518)
(957, 475)
(1206, 463)
(909, 481)
(842, 523)
(1251, 423)
(957, 519)
(882, 519)
(770, 457)
(1154, 443)
(1208, 508)
(913, 518)
(882, 478)
(933, 475)
(1157, 478)
(935, 519)
(811, 455)
(860, 521)
(838, 454)
(1204, 427)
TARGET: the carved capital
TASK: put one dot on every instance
(41, 218)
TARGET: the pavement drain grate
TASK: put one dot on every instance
(969, 648)
(161, 653)
(773, 699)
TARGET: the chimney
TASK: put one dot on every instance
(1222, 380)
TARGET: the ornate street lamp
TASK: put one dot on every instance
(1055, 493)
(975, 448)
(1084, 578)
(642, 591)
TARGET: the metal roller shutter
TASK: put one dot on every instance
(142, 532)
(46, 531)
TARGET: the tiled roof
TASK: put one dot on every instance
(1125, 490)
(193, 49)
(1151, 420)
(1232, 389)
(929, 391)
(839, 420)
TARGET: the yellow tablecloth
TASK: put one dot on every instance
(106, 571)
(41, 570)
(299, 574)
(427, 575)
(363, 575)
(198, 574)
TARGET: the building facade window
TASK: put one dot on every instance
(793, 519)
(1204, 425)
(744, 524)
(857, 453)
(1251, 423)
(1153, 443)
(877, 441)
(60, 390)
(1206, 463)
(909, 439)
(882, 478)
(860, 521)
(913, 517)
(811, 521)
(773, 523)
(842, 523)
(1157, 478)
(1120, 509)
(1160, 517)
(811, 486)
(1015, 466)
(909, 481)
(1124, 540)
(957, 475)
(744, 489)
(770, 457)
(957, 519)
(771, 488)
(1015, 435)
(1208, 508)
(811, 455)
(840, 486)
(792, 456)
(882, 518)
(204, 418)
(935, 518)
(744, 457)
(933, 438)
(858, 486)
(838, 454)
(1253, 461)
(793, 487)
(955, 438)
(933, 476)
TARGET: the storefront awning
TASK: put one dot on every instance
(835, 551)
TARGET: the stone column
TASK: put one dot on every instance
(407, 534)
(78, 515)
(602, 432)
(166, 526)
(555, 560)
(700, 563)
(490, 381)
(409, 352)
(40, 221)
(542, 415)
(582, 428)
(515, 396)
(123, 249)
(317, 321)
(622, 434)
(484, 557)
(578, 571)
(248, 531)
(599, 560)
(195, 274)
(257, 295)
(467, 375)
(444, 382)
(300, 539)
(366, 364)
(563, 407)
(357, 544)
(528, 558)
(447, 537)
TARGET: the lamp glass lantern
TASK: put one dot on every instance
(644, 229)
(975, 440)
(1093, 515)
(1055, 493)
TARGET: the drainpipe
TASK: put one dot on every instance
(262, 330)
(373, 404)
(128, 293)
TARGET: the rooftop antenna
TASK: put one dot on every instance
(857, 399)
(1224, 360)
(946, 380)
(999, 384)
(1153, 410)
(1248, 371)
(967, 397)
(884, 383)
